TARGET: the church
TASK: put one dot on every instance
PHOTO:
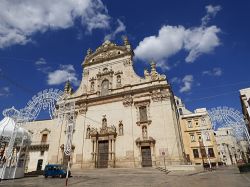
(122, 119)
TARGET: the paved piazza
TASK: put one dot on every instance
(229, 177)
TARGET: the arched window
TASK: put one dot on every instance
(144, 132)
(44, 138)
(104, 121)
(180, 111)
(120, 128)
(105, 87)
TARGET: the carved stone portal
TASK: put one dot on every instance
(103, 149)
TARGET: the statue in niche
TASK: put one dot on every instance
(118, 80)
(104, 122)
(120, 128)
(144, 132)
(88, 132)
(92, 86)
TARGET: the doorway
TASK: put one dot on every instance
(103, 154)
(39, 165)
(146, 156)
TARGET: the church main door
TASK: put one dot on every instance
(103, 154)
(146, 156)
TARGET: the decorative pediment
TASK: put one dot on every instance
(148, 141)
(105, 130)
(107, 51)
(45, 131)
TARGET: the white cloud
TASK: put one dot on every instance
(64, 73)
(211, 12)
(187, 83)
(4, 91)
(41, 61)
(120, 28)
(175, 80)
(168, 42)
(201, 40)
(213, 72)
(41, 65)
(173, 39)
(19, 20)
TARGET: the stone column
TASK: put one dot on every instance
(110, 151)
(113, 153)
(94, 149)
(153, 155)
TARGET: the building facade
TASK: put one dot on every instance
(230, 151)
(198, 136)
(245, 104)
(122, 120)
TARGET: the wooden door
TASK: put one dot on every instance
(146, 156)
(39, 165)
(103, 154)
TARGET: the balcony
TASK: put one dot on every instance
(39, 146)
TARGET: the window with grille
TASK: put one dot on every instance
(211, 152)
(196, 153)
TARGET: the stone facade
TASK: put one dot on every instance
(230, 151)
(122, 120)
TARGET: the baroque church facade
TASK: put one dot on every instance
(122, 120)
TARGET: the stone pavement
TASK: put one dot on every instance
(148, 177)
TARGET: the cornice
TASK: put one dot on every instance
(119, 96)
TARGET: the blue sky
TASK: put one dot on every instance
(201, 46)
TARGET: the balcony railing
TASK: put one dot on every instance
(41, 146)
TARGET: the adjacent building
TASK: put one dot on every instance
(198, 136)
(229, 150)
(245, 104)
